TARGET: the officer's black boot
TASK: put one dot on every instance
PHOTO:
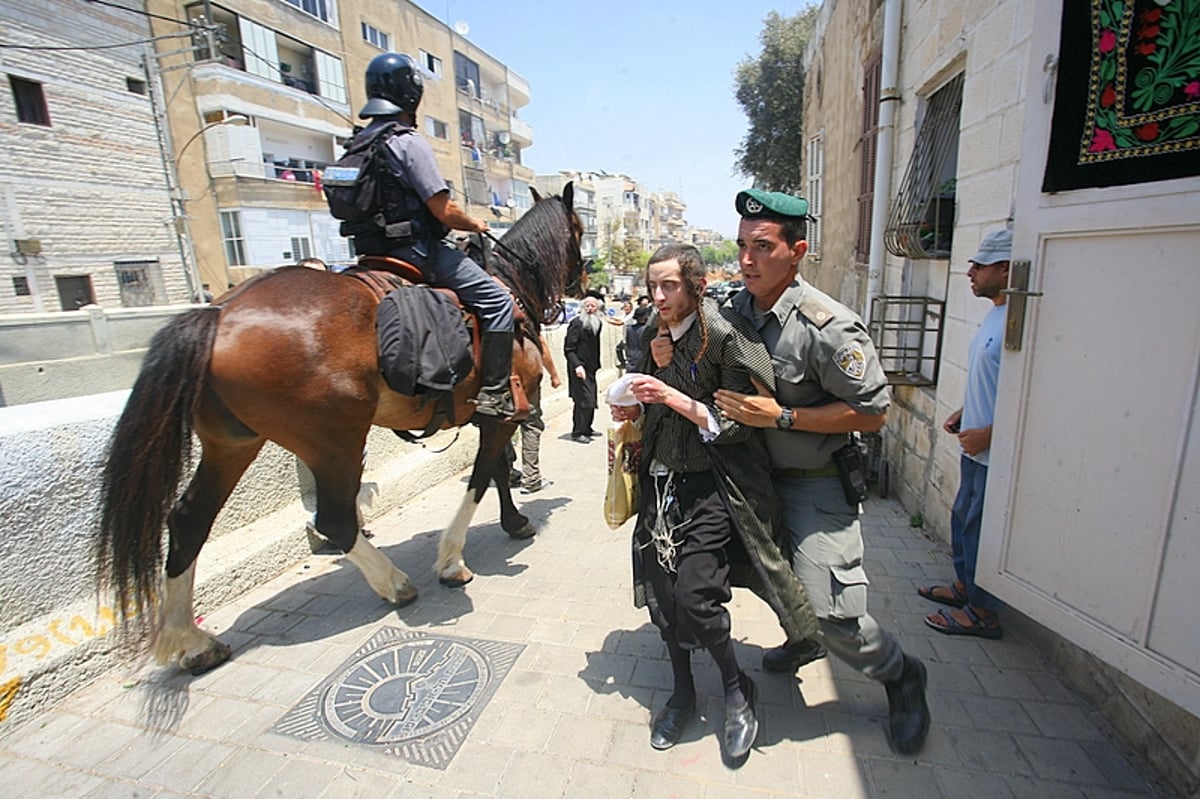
(495, 391)
(908, 714)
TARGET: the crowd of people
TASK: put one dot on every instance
(750, 411)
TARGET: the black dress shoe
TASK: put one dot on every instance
(790, 657)
(908, 714)
(741, 727)
(668, 725)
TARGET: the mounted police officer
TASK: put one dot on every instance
(416, 213)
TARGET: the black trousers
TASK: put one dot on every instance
(581, 420)
(688, 605)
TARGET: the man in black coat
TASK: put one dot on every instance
(582, 351)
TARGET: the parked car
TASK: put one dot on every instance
(570, 309)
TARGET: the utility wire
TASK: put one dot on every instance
(137, 11)
(44, 47)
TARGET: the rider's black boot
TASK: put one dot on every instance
(495, 391)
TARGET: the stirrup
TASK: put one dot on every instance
(496, 405)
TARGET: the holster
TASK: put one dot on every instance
(852, 471)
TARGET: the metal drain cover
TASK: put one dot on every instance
(409, 694)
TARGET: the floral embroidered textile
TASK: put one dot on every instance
(1127, 102)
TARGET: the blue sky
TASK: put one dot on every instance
(633, 86)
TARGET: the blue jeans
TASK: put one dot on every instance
(966, 519)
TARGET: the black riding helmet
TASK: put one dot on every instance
(393, 85)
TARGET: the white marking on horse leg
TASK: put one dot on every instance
(380, 573)
(179, 638)
(450, 564)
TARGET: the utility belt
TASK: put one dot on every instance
(848, 464)
(399, 234)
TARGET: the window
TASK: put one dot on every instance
(21, 287)
(331, 76)
(814, 166)
(466, 75)
(30, 100)
(74, 291)
(135, 85)
(135, 279)
(472, 129)
(317, 8)
(376, 37)
(431, 64)
(231, 233)
(301, 248)
(475, 185)
(867, 143)
(921, 224)
(437, 129)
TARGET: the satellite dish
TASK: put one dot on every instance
(462, 28)
(502, 137)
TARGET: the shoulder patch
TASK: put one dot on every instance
(851, 359)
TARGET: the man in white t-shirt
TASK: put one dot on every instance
(975, 611)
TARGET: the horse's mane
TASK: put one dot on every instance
(539, 258)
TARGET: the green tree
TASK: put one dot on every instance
(721, 255)
(770, 89)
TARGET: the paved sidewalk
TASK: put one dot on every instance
(546, 678)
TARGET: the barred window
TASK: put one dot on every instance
(921, 224)
(137, 282)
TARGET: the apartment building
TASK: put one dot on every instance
(86, 216)
(270, 94)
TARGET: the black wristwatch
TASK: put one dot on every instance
(784, 422)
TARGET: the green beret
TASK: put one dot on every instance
(756, 202)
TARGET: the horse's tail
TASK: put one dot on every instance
(150, 448)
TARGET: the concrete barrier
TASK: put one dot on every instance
(57, 634)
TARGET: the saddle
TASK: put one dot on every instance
(383, 274)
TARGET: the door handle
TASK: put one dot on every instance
(1017, 292)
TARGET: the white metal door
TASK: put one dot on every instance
(1092, 525)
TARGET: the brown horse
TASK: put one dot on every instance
(291, 357)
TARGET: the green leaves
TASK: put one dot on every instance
(770, 90)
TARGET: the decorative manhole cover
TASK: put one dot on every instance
(409, 694)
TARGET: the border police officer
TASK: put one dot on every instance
(829, 385)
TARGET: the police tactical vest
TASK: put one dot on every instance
(371, 201)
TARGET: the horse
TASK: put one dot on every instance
(290, 356)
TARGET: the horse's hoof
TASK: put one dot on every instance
(458, 579)
(406, 597)
(203, 662)
(526, 530)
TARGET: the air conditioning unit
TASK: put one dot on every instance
(28, 246)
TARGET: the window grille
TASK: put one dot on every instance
(922, 220)
(907, 333)
(135, 279)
